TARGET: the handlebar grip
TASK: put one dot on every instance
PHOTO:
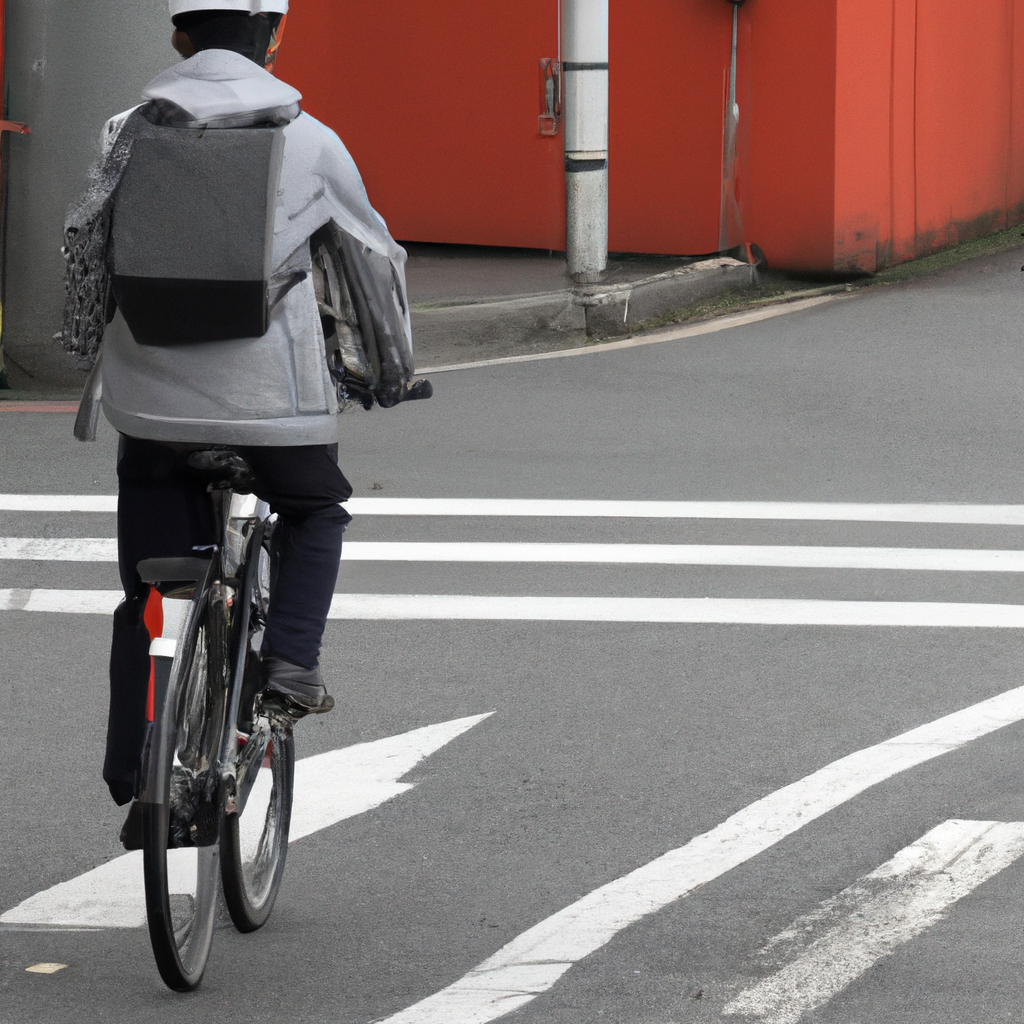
(418, 390)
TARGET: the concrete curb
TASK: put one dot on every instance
(619, 308)
(566, 318)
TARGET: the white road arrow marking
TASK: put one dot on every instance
(328, 788)
(532, 962)
(102, 549)
(846, 935)
(820, 511)
(467, 607)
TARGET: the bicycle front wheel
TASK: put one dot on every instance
(254, 842)
(181, 805)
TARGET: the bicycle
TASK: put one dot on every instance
(218, 766)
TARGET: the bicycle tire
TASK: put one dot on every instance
(182, 803)
(254, 840)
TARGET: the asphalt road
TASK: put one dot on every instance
(609, 743)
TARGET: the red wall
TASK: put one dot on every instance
(870, 130)
(666, 117)
(929, 108)
(790, 191)
(438, 104)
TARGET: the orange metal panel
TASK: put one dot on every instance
(790, 181)
(964, 71)
(1015, 175)
(903, 117)
(666, 115)
(438, 104)
(863, 155)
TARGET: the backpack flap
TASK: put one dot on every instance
(192, 231)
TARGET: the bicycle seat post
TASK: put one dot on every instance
(228, 473)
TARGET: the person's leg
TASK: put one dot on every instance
(304, 486)
(162, 512)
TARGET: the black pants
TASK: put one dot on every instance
(164, 511)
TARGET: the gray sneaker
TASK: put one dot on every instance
(292, 690)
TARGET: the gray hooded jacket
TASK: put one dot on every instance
(275, 389)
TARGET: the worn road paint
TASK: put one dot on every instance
(531, 963)
(967, 515)
(328, 788)
(847, 935)
(102, 549)
(708, 610)
(45, 968)
(66, 602)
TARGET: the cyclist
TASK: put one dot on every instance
(269, 396)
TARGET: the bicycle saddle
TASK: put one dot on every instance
(223, 468)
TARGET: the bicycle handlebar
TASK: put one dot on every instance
(419, 389)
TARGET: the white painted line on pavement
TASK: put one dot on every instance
(65, 602)
(848, 934)
(58, 503)
(749, 611)
(967, 515)
(530, 964)
(468, 607)
(59, 549)
(328, 788)
(992, 515)
(102, 549)
(754, 555)
(722, 323)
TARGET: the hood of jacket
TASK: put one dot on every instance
(220, 88)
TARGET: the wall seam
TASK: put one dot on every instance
(917, 11)
(892, 134)
(1012, 4)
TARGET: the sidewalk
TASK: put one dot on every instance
(477, 302)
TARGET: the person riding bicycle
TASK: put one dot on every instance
(182, 367)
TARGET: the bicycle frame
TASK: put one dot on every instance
(241, 522)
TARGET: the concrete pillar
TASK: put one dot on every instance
(70, 64)
(585, 116)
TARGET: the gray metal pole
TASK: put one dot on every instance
(585, 71)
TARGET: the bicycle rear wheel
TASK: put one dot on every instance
(254, 841)
(181, 802)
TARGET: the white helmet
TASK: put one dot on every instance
(248, 6)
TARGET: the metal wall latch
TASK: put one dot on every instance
(550, 95)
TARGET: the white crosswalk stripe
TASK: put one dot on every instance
(867, 512)
(451, 604)
(103, 549)
(469, 607)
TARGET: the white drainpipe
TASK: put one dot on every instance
(585, 71)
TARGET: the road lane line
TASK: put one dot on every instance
(328, 788)
(58, 503)
(748, 611)
(104, 549)
(871, 919)
(65, 602)
(533, 962)
(711, 610)
(59, 549)
(965, 515)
